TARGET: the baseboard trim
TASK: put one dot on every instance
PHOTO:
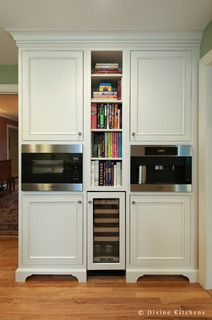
(23, 273)
(132, 275)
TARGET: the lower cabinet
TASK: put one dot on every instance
(51, 235)
(160, 232)
(52, 228)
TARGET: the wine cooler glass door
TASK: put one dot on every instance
(107, 215)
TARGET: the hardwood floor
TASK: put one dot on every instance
(63, 298)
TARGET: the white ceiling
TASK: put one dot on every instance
(99, 15)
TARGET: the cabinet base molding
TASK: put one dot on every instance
(23, 273)
(132, 275)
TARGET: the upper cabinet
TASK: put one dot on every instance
(160, 96)
(52, 95)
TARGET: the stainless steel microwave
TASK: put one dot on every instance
(51, 167)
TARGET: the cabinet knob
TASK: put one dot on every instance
(133, 202)
(79, 133)
(79, 201)
(133, 134)
(90, 202)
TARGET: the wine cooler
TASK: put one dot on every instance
(106, 230)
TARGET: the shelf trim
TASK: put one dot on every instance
(106, 130)
(92, 158)
(105, 101)
(107, 75)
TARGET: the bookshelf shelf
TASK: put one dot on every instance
(106, 130)
(106, 75)
(106, 101)
(109, 159)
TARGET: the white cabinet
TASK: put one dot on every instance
(160, 96)
(52, 229)
(52, 95)
(160, 235)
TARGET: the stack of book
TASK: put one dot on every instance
(106, 68)
(106, 90)
(105, 173)
(107, 145)
(106, 116)
(102, 95)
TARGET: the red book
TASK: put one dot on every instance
(119, 89)
(93, 116)
(116, 117)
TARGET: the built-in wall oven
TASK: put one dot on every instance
(48, 167)
(161, 168)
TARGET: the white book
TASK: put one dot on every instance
(118, 174)
(92, 172)
(119, 113)
(115, 175)
(96, 173)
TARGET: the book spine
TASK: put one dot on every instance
(105, 116)
(115, 175)
(101, 173)
(116, 146)
(120, 144)
(108, 116)
(119, 89)
(106, 144)
(113, 116)
(116, 117)
(98, 116)
(106, 173)
(96, 173)
(109, 173)
(93, 116)
(92, 172)
(118, 173)
(109, 144)
(102, 116)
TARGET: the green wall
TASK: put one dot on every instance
(206, 41)
(9, 74)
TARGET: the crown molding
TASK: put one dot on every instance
(25, 37)
(8, 88)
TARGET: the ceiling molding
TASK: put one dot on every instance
(60, 37)
(8, 88)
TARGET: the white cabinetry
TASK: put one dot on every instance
(52, 95)
(51, 233)
(160, 235)
(160, 95)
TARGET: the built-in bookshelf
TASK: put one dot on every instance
(106, 119)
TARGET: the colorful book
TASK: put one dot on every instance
(93, 116)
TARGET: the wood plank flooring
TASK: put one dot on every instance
(101, 298)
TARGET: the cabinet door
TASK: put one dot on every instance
(52, 230)
(106, 230)
(160, 96)
(52, 95)
(160, 231)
